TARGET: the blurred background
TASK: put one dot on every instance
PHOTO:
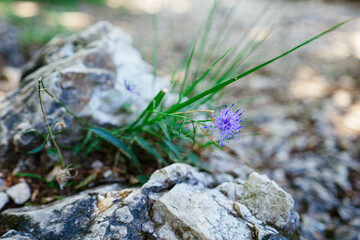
(305, 107)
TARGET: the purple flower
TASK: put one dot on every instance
(131, 87)
(227, 124)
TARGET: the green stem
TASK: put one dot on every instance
(47, 124)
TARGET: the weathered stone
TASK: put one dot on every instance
(4, 199)
(64, 219)
(83, 71)
(177, 203)
(267, 201)
(167, 177)
(197, 213)
(19, 193)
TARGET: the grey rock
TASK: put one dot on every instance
(178, 202)
(83, 71)
(64, 219)
(169, 176)
(197, 213)
(4, 199)
(15, 235)
(267, 201)
(19, 193)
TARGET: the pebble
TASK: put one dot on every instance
(19, 193)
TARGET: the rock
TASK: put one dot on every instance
(169, 176)
(9, 50)
(197, 213)
(64, 219)
(4, 199)
(15, 235)
(267, 201)
(83, 71)
(19, 193)
(178, 202)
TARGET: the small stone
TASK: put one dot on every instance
(124, 215)
(97, 164)
(3, 200)
(19, 193)
(108, 174)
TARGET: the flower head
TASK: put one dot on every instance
(131, 87)
(227, 123)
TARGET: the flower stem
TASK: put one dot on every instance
(47, 124)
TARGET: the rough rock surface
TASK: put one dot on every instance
(86, 72)
(178, 202)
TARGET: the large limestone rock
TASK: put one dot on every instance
(95, 73)
(178, 202)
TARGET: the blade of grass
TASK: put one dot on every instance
(86, 140)
(186, 73)
(37, 149)
(173, 148)
(188, 91)
(148, 110)
(116, 142)
(144, 144)
(164, 130)
(31, 175)
(92, 146)
(218, 87)
(92, 177)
